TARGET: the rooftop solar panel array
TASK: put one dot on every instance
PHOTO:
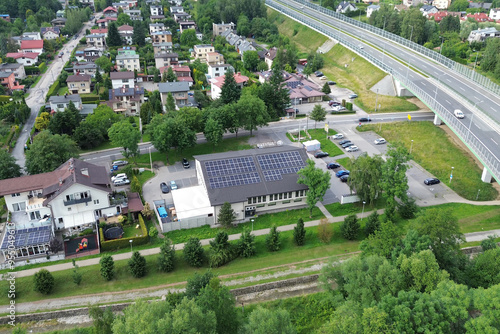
(277, 174)
(230, 166)
(280, 160)
(28, 237)
(233, 180)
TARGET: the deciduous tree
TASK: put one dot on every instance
(125, 135)
(317, 182)
(265, 321)
(43, 282)
(366, 172)
(318, 114)
(8, 166)
(213, 132)
(252, 112)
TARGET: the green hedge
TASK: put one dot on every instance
(31, 70)
(4, 98)
(112, 245)
(42, 67)
(90, 98)
(53, 90)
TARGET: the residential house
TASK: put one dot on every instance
(87, 3)
(70, 198)
(217, 83)
(5, 17)
(370, 9)
(110, 12)
(200, 51)
(126, 32)
(122, 79)
(214, 58)
(127, 50)
(271, 187)
(179, 17)
(59, 22)
(442, 4)
(128, 62)
(199, 35)
(126, 100)
(161, 36)
(8, 80)
(155, 27)
(60, 13)
(265, 76)
(481, 35)
(156, 10)
(135, 14)
(91, 54)
(79, 84)
(85, 68)
(218, 70)
(428, 9)
(172, 2)
(118, 5)
(219, 28)
(31, 35)
(344, 7)
(480, 5)
(100, 31)
(24, 58)
(162, 47)
(442, 14)
(32, 46)
(60, 103)
(50, 32)
(185, 25)
(495, 14)
(153, 2)
(176, 9)
(131, 3)
(478, 17)
(16, 68)
(400, 7)
(179, 91)
(104, 23)
(154, 18)
(270, 55)
(183, 73)
(303, 90)
(96, 40)
(245, 46)
(410, 3)
(166, 59)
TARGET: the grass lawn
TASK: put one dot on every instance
(260, 222)
(326, 144)
(104, 146)
(434, 151)
(145, 176)
(228, 144)
(38, 77)
(337, 209)
(62, 91)
(131, 231)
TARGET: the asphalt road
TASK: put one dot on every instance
(36, 98)
(451, 89)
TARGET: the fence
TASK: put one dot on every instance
(470, 74)
(484, 154)
(187, 223)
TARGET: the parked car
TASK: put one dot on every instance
(353, 96)
(332, 83)
(344, 178)
(352, 148)
(364, 119)
(459, 114)
(361, 46)
(379, 141)
(332, 103)
(342, 173)
(338, 136)
(318, 74)
(338, 108)
(173, 185)
(320, 154)
(118, 177)
(345, 141)
(164, 188)
(120, 163)
(185, 163)
(431, 181)
(121, 182)
(332, 165)
(346, 145)
(323, 78)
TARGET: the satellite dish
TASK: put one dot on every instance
(279, 143)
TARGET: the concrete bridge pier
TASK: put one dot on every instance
(437, 120)
(486, 176)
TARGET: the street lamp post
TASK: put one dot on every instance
(363, 212)
(150, 160)
(478, 194)
(477, 54)
(442, 42)
(376, 100)
(451, 175)
(471, 118)
(408, 68)
(411, 146)
(252, 223)
(131, 244)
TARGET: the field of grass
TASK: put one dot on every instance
(131, 231)
(326, 144)
(359, 75)
(62, 91)
(434, 151)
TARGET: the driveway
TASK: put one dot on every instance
(148, 85)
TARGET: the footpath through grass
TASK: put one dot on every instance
(434, 151)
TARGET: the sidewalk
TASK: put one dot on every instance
(474, 236)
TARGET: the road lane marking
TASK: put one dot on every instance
(492, 108)
(423, 83)
(448, 101)
(448, 80)
(493, 141)
(462, 88)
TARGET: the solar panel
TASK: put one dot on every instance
(230, 166)
(233, 180)
(280, 160)
(28, 237)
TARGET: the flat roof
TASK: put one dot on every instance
(191, 202)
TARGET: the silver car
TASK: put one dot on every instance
(338, 136)
(379, 141)
(352, 148)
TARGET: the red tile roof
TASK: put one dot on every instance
(31, 44)
(219, 81)
(185, 79)
(16, 55)
(107, 9)
(125, 27)
(99, 31)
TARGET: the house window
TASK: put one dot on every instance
(16, 195)
(69, 209)
(19, 206)
(35, 215)
(285, 196)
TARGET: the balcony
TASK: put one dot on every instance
(78, 201)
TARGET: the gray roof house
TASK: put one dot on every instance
(345, 6)
(179, 91)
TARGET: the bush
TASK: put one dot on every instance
(77, 277)
(350, 227)
(166, 260)
(153, 232)
(44, 282)
(197, 282)
(137, 265)
(87, 231)
(193, 252)
(489, 243)
(53, 89)
(246, 246)
(220, 250)
(372, 223)
(273, 240)
(408, 209)
(299, 233)
(42, 67)
(325, 231)
(30, 70)
(107, 267)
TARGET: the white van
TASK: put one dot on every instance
(120, 176)
(459, 114)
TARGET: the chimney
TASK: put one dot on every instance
(123, 89)
(60, 182)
